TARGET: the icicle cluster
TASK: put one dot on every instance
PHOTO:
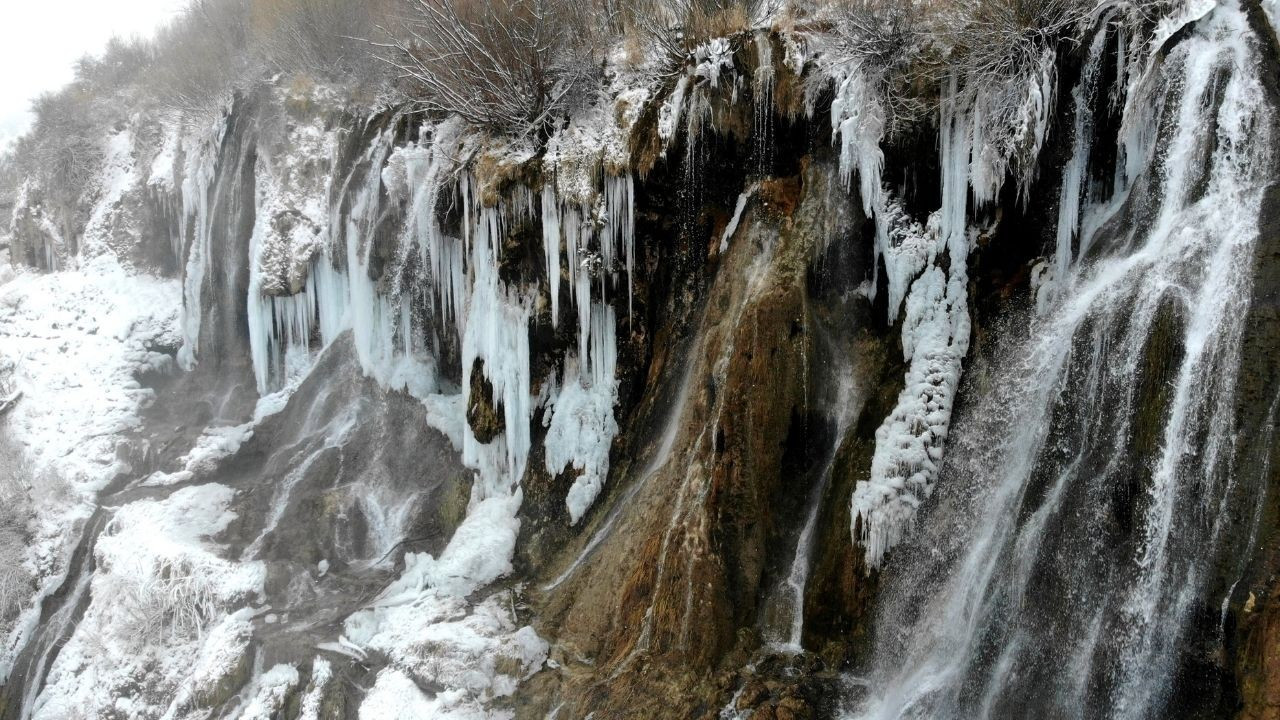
(323, 254)
(580, 421)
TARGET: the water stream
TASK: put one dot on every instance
(1080, 503)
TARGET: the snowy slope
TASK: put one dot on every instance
(77, 338)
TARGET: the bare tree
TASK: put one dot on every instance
(507, 65)
(202, 56)
(318, 38)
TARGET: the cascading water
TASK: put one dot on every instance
(1083, 499)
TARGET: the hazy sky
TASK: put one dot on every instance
(40, 40)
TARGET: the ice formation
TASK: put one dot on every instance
(581, 426)
(1083, 360)
(197, 229)
(935, 338)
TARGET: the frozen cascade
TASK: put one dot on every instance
(935, 338)
(196, 232)
(581, 426)
(428, 170)
(620, 217)
(490, 319)
(496, 330)
(1059, 431)
(858, 124)
(280, 326)
(375, 317)
(1075, 174)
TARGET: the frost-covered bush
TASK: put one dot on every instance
(992, 40)
(161, 571)
(15, 511)
(883, 41)
(1000, 57)
(990, 62)
(512, 66)
(675, 28)
(65, 147)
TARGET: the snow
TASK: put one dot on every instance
(440, 641)
(77, 338)
(158, 586)
(224, 648)
(163, 175)
(321, 674)
(269, 692)
(117, 177)
(289, 233)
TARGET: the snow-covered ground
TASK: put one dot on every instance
(76, 340)
(163, 584)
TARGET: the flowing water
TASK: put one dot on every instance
(1086, 490)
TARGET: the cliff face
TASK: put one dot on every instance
(645, 419)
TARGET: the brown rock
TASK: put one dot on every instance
(483, 415)
(752, 695)
(793, 708)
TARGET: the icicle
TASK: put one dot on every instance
(581, 426)
(551, 248)
(620, 218)
(858, 124)
(670, 112)
(497, 331)
(1075, 174)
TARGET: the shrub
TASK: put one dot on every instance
(15, 511)
(64, 149)
(885, 39)
(675, 28)
(511, 66)
(993, 40)
(202, 56)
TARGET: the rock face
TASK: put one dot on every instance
(486, 421)
(385, 318)
(1251, 611)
